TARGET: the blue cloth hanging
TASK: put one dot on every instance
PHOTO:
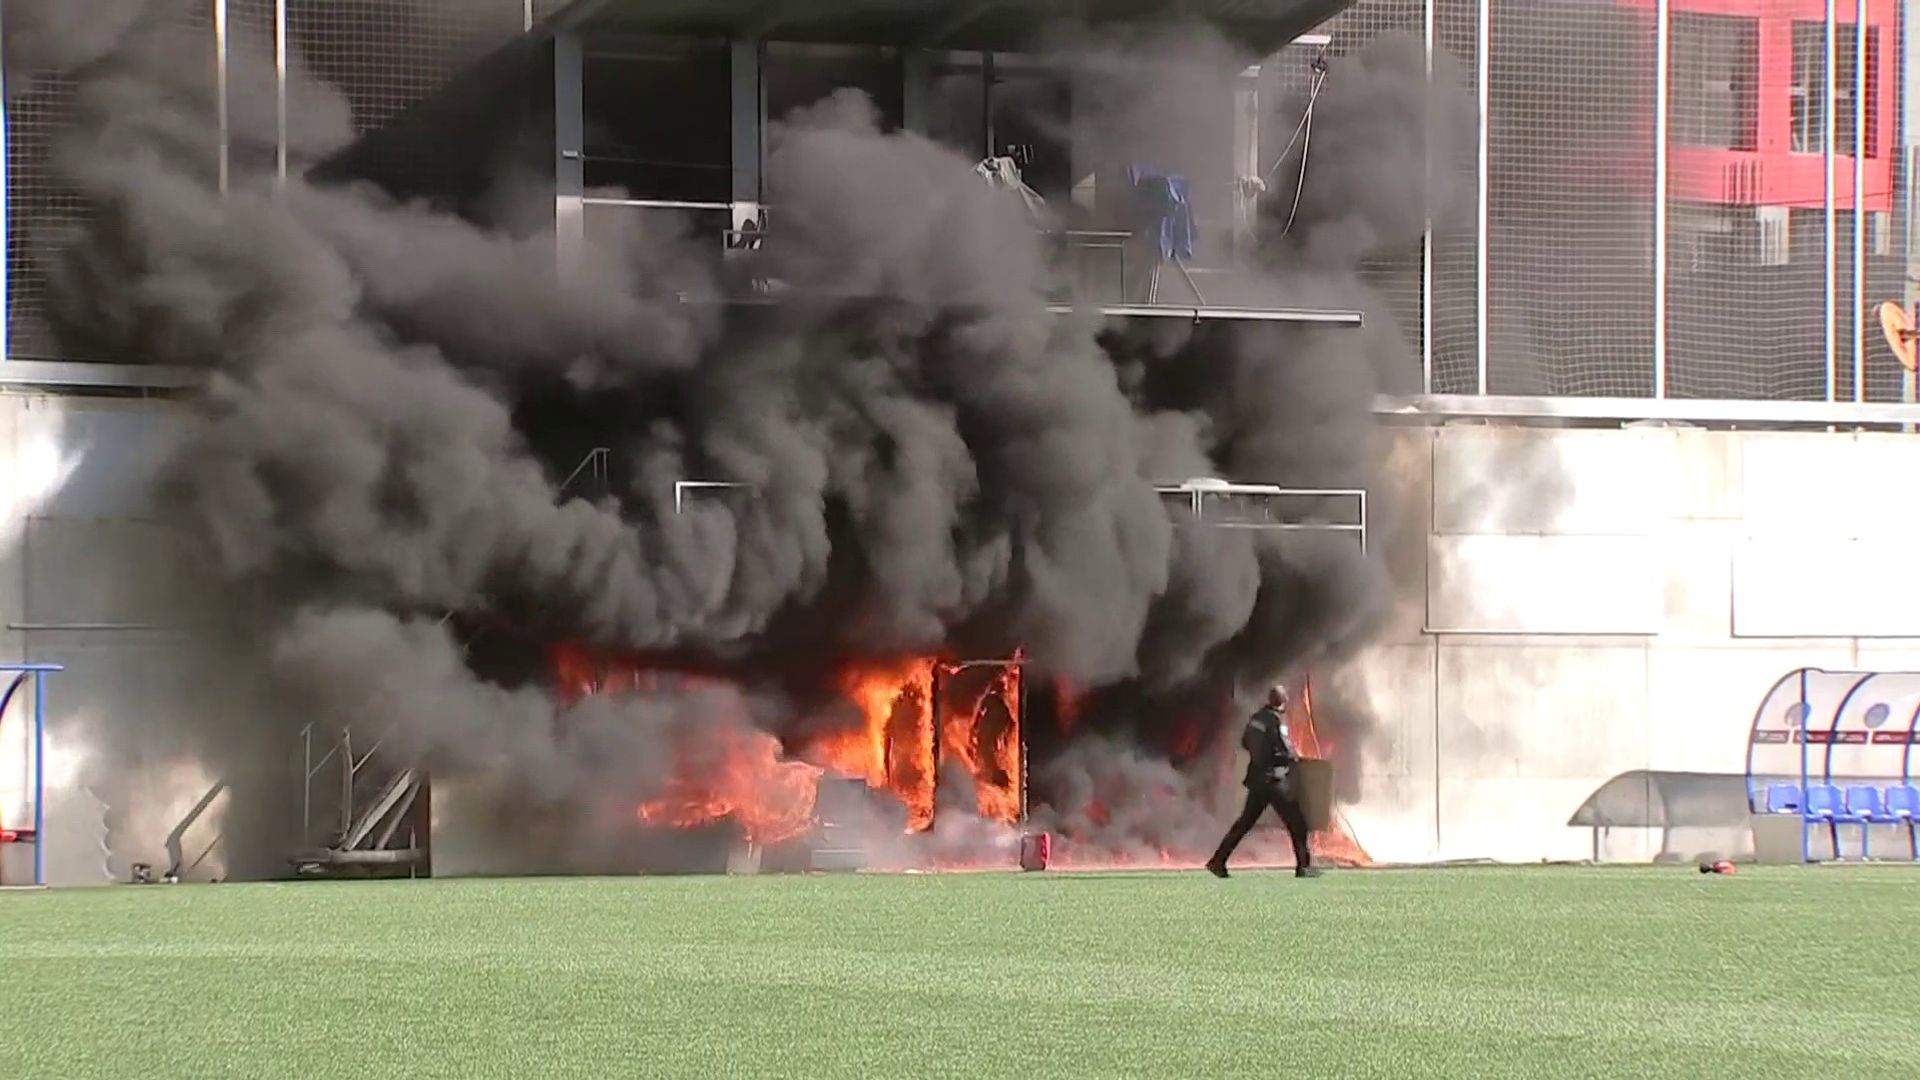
(1165, 212)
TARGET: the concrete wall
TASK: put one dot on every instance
(1585, 606)
(89, 579)
(1577, 610)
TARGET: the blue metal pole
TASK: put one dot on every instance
(1806, 811)
(39, 778)
(6, 306)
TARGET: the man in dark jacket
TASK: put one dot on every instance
(1270, 782)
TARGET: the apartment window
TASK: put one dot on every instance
(1809, 89)
(1715, 66)
(1873, 92)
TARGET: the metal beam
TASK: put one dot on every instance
(770, 16)
(748, 109)
(1438, 408)
(1349, 319)
(578, 14)
(569, 148)
(48, 375)
(224, 122)
(936, 35)
(1188, 313)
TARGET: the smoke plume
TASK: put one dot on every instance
(930, 460)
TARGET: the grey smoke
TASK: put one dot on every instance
(933, 457)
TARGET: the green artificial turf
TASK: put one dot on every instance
(1642, 973)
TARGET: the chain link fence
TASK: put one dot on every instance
(1591, 262)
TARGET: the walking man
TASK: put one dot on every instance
(1270, 782)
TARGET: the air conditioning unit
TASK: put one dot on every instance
(1775, 240)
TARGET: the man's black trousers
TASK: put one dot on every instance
(1280, 796)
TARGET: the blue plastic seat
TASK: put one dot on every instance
(1903, 808)
(1783, 798)
(1864, 804)
(1824, 802)
(1863, 807)
(1903, 803)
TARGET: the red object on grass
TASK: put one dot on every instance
(1036, 851)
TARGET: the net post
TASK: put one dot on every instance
(280, 91)
(220, 88)
(1483, 74)
(1662, 185)
(6, 306)
(1426, 236)
(1858, 338)
(1829, 177)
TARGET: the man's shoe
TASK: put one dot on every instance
(1217, 869)
(1306, 871)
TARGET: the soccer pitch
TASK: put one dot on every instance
(1548, 972)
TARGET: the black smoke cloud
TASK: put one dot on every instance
(934, 460)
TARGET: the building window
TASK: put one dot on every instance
(1809, 89)
(651, 152)
(1715, 64)
(1873, 92)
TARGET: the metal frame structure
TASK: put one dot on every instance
(33, 376)
(1199, 312)
(1199, 492)
(37, 674)
(1443, 408)
(946, 669)
(366, 833)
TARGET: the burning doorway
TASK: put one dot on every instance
(904, 730)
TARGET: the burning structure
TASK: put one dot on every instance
(964, 589)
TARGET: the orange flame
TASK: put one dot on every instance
(895, 747)
(1071, 701)
(738, 774)
(1335, 843)
(892, 750)
(981, 732)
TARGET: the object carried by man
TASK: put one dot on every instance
(1271, 762)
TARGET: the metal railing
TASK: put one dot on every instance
(1204, 499)
(366, 831)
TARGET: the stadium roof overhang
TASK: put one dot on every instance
(1259, 25)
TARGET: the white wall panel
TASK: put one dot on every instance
(1831, 485)
(1510, 480)
(1826, 587)
(1545, 584)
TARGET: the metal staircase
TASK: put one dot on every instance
(378, 826)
